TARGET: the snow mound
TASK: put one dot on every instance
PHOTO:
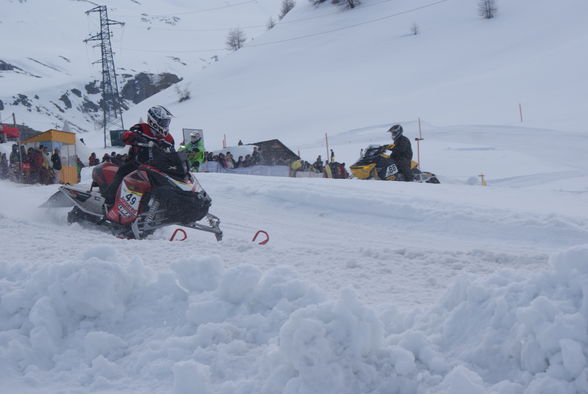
(514, 333)
(108, 322)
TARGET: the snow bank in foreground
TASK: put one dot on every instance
(109, 323)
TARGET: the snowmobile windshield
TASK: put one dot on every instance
(172, 163)
(370, 155)
(372, 151)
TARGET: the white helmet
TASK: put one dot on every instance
(159, 119)
(195, 136)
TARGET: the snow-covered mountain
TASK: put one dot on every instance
(48, 74)
(321, 69)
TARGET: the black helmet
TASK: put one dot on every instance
(396, 131)
(159, 119)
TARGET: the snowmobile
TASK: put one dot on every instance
(161, 193)
(369, 167)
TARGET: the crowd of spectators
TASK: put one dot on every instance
(113, 157)
(32, 165)
(329, 169)
(228, 161)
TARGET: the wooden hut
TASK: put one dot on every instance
(65, 141)
(274, 152)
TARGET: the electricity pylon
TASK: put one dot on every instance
(111, 101)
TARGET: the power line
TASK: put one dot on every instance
(350, 26)
(263, 26)
(200, 11)
(433, 4)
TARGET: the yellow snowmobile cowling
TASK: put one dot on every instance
(363, 171)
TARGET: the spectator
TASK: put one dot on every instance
(93, 160)
(255, 156)
(295, 166)
(230, 162)
(79, 166)
(318, 164)
(113, 158)
(332, 156)
(24, 154)
(14, 155)
(47, 165)
(36, 159)
(106, 158)
(221, 160)
(239, 162)
(116, 158)
(248, 161)
(3, 166)
(56, 161)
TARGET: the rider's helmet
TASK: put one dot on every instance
(159, 119)
(396, 131)
(195, 136)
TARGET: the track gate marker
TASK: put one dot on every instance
(264, 233)
(175, 232)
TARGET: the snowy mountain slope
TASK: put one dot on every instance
(47, 58)
(332, 70)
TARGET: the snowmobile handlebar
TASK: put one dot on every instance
(152, 144)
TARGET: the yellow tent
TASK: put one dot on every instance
(66, 143)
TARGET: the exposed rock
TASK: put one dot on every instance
(92, 87)
(77, 92)
(58, 107)
(146, 85)
(22, 99)
(10, 67)
(7, 66)
(90, 106)
(178, 60)
(64, 97)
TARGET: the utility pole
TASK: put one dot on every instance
(418, 141)
(111, 101)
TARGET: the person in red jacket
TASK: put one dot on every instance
(156, 130)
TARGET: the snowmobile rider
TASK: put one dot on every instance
(401, 153)
(155, 131)
(195, 150)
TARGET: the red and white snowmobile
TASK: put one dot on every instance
(158, 194)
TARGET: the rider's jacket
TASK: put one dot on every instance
(402, 149)
(141, 132)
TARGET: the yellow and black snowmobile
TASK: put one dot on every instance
(369, 166)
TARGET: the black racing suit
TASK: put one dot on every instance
(138, 133)
(401, 156)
